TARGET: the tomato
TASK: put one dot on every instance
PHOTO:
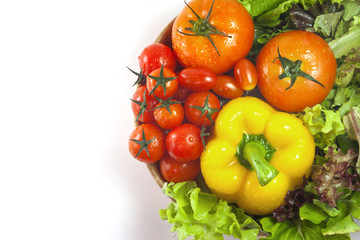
(226, 87)
(175, 171)
(296, 69)
(162, 82)
(202, 108)
(142, 108)
(156, 55)
(197, 79)
(182, 93)
(245, 74)
(147, 143)
(218, 51)
(183, 143)
(169, 119)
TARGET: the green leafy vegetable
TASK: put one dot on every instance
(351, 9)
(297, 230)
(333, 221)
(348, 69)
(352, 124)
(343, 45)
(204, 216)
(327, 23)
(324, 124)
(318, 221)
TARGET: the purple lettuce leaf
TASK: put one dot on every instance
(335, 176)
(294, 200)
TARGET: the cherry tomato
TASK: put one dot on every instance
(156, 55)
(166, 119)
(197, 79)
(183, 143)
(245, 74)
(175, 171)
(142, 108)
(202, 108)
(296, 70)
(219, 51)
(226, 87)
(182, 93)
(150, 148)
(162, 78)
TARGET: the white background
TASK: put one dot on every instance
(65, 118)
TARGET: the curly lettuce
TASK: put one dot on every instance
(204, 216)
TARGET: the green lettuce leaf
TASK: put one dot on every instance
(301, 230)
(334, 221)
(351, 9)
(204, 216)
(352, 126)
(323, 124)
(327, 23)
(257, 7)
(318, 221)
(344, 44)
(348, 209)
(348, 69)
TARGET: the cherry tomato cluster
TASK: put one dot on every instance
(174, 108)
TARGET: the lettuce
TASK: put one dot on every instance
(333, 220)
(352, 126)
(334, 178)
(304, 230)
(204, 216)
(324, 124)
(318, 221)
(273, 7)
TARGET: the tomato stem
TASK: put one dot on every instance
(143, 144)
(293, 70)
(206, 109)
(166, 104)
(141, 77)
(202, 27)
(203, 134)
(142, 105)
(161, 80)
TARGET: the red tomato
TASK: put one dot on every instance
(183, 143)
(162, 78)
(197, 79)
(218, 51)
(175, 171)
(245, 74)
(141, 108)
(150, 148)
(202, 108)
(156, 55)
(226, 87)
(182, 93)
(306, 79)
(166, 119)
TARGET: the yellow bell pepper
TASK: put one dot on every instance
(256, 155)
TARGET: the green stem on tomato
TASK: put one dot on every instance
(202, 27)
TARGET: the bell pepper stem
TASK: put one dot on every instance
(254, 153)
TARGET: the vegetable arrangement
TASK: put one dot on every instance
(259, 100)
